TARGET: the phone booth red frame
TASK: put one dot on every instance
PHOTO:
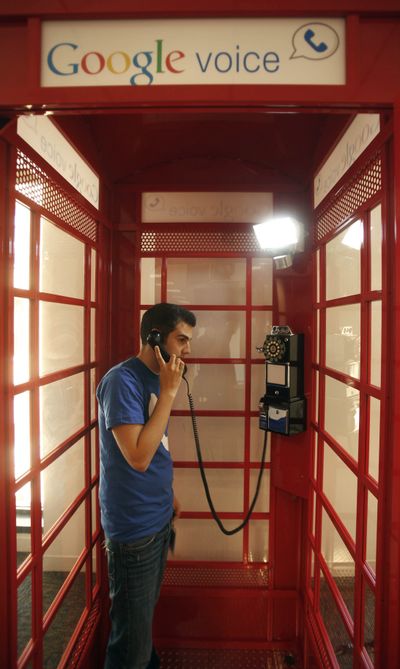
(275, 606)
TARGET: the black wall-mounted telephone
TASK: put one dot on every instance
(154, 338)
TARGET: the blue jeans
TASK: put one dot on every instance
(135, 572)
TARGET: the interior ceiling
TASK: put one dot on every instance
(205, 148)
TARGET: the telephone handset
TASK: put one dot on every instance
(154, 339)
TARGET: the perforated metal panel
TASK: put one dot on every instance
(240, 577)
(338, 207)
(203, 658)
(36, 185)
(173, 242)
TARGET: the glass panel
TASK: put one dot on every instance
(316, 414)
(261, 324)
(62, 262)
(343, 263)
(61, 411)
(226, 489)
(203, 540)
(317, 333)
(95, 493)
(23, 507)
(339, 561)
(93, 271)
(258, 540)
(61, 482)
(63, 625)
(315, 455)
(261, 281)
(61, 556)
(376, 247)
(219, 334)
(369, 622)
(343, 339)
(342, 414)
(60, 337)
(312, 570)
(92, 335)
(215, 387)
(340, 640)
(94, 564)
(22, 243)
(374, 440)
(93, 401)
(24, 597)
(93, 452)
(376, 347)
(22, 434)
(372, 527)
(318, 274)
(221, 439)
(150, 280)
(262, 504)
(257, 385)
(257, 442)
(206, 281)
(314, 514)
(340, 486)
(21, 340)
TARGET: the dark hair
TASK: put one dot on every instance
(164, 317)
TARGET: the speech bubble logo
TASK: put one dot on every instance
(315, 41)
(154, 202)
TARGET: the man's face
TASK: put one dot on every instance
(178, 341)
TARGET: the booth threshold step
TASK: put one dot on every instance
(227, 658)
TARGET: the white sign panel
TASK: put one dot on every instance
(43, 136)
(355, 140)
(206, 207)
(193, 51)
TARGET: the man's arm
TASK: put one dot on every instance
(138, 443)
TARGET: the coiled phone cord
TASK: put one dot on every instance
(203, 474)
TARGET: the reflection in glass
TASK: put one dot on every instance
(150, 280)
(92, 335)
(226, 489)
(376, 247)
(261, 324)
(340, 486)
(374, 439)
(372, 527)
(62, 554)
(62, 481)
(262, 504)
(257, 442)
(214, 387)
(343, 263)
(343, 339)
(339, 638)
(261, 281)
(22, 242)
(60, 336)
(221, 438)
(21, 340)
(24, 603)
(93, 272)
(203, 540)
(206, 281)
(339, 561)
(342, 414)
(369, 622)
(23, 521)
(65, 621)
(219, 334)
(258, 541)
(61, 411)
(22, 434)
(62, 262)
(376, 346)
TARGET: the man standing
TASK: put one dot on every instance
(136, 496)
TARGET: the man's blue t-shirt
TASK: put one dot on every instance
(133, 504)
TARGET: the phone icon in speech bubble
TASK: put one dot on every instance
(315, 41)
